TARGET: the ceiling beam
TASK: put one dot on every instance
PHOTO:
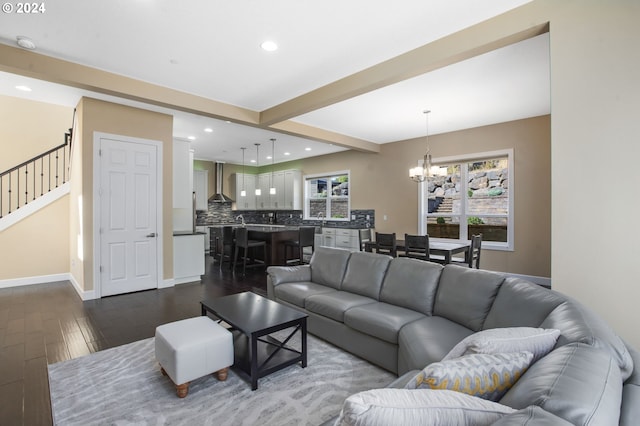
(506, 29)
(321, 135)
(30, 64)
(34, 65)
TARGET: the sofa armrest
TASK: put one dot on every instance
(277, 275)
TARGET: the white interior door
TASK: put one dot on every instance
(128, 219)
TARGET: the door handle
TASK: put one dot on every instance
(151, 235)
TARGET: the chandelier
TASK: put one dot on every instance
(421, 173)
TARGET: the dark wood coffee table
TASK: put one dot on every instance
(252, 319)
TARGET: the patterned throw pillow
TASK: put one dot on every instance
(538, 341)
(383, 407)
(488, 376)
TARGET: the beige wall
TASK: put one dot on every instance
(100, 116)
(595, 133)
(38, 245)
(29, 128)
(381, 182)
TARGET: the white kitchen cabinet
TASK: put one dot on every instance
(182, 175)
(201, 188)
(288, 184)
(292, 190)
(340, 238)
(248, 182)
(205, 231)
(188, 258)
(278, 200)
(263, 201)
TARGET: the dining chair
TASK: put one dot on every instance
(472, 256)
(416, 246)
(226, 242)
(306, 238)
(364, 236)
(243, 242)
(386, 244)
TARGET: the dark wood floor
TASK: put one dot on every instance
(48, 323)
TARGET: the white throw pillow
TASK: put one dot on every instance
(538, 341)
(384, 407)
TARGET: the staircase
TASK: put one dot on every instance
(445, 207)
(35, 178)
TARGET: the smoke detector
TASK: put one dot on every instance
(25, 42)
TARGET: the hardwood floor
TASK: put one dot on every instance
(48, 323)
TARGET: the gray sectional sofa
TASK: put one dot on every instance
(403, 314)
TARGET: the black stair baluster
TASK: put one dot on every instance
(41, 175)
(26, 184)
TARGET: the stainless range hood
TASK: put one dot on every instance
(219, 197)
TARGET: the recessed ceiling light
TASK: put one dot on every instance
(269, 157)
(208, 130)
(24, 88)
(25, 42)
(269, 45)
(287, 153)
(307, 149)
(252, 161)
(191, 138)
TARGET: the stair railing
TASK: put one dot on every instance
(35, 177)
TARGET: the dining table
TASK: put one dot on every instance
(443, 250)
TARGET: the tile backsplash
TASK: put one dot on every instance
(221, 213)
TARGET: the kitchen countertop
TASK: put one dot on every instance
(183, 233)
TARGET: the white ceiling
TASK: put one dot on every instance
(211, 48)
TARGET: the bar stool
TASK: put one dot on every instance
(243, 242)
(306, 238)
(226, 240)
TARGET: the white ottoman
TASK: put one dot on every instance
(193, 348)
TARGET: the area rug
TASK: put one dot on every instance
(124, 386)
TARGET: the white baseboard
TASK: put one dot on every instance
(185, 280)
(45, 279)
(167, 283)
(41, 279)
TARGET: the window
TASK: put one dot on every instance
(326, 196)
(470, 195)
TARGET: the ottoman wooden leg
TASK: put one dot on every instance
(182, 390)
(222, 374)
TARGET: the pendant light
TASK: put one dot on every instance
(272, 189)
(258, 190)
(243, 193)
(420, 174)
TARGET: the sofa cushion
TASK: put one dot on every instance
(296, 293)
(578, 323)
(365, 273)
(538, 341)
(487, 376)
(333, 305)
(427, 340)
(465, 295)
(380, 320)
(287, 274)
(418, 407)
(328, 266)
(411, 283)
(531, 416)
(520, 303)
(577, 382)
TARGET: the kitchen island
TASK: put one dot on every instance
(273, 235)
